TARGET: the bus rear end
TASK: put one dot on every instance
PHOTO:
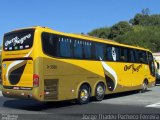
(18, 78)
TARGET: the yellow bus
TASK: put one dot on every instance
(46, 65)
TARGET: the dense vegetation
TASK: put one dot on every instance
(143, 30)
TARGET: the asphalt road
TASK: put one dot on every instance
(127, 105)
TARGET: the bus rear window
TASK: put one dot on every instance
(18, 40)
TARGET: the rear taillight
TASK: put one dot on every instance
(35, 80)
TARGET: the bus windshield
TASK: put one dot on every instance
(18, 40)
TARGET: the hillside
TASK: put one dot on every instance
(142, 30)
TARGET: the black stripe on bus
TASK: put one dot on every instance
(13, 59)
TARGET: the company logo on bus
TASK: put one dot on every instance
(16, 40)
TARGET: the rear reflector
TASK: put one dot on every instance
(35, 80)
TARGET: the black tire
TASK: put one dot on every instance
(84, 94)
(144, 87)
(100, 92)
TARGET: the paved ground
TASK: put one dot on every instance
(134, 104)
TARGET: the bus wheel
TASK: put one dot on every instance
(144, 86)
(100, 91)
(84, 94)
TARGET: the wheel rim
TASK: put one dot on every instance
(144, 86)
(100, 91)
(84, 95)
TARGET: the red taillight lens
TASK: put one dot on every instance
(35, 80)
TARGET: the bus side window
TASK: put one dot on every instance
(112, 53)
(109, 53)
(123, 54)
(65, 47)
(136, 56)
(78, 51)
(145, 57)
(99, 51)
(50, 44)
(117, 50)
(142, 57)
(87, 50)
(131, 55)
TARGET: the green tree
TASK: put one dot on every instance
(137, 19)
(144, 36)
(145, 19)
(120, 28)
(101, 32)
(145, 11)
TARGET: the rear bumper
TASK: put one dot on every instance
(33, 94)
(24, 94)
